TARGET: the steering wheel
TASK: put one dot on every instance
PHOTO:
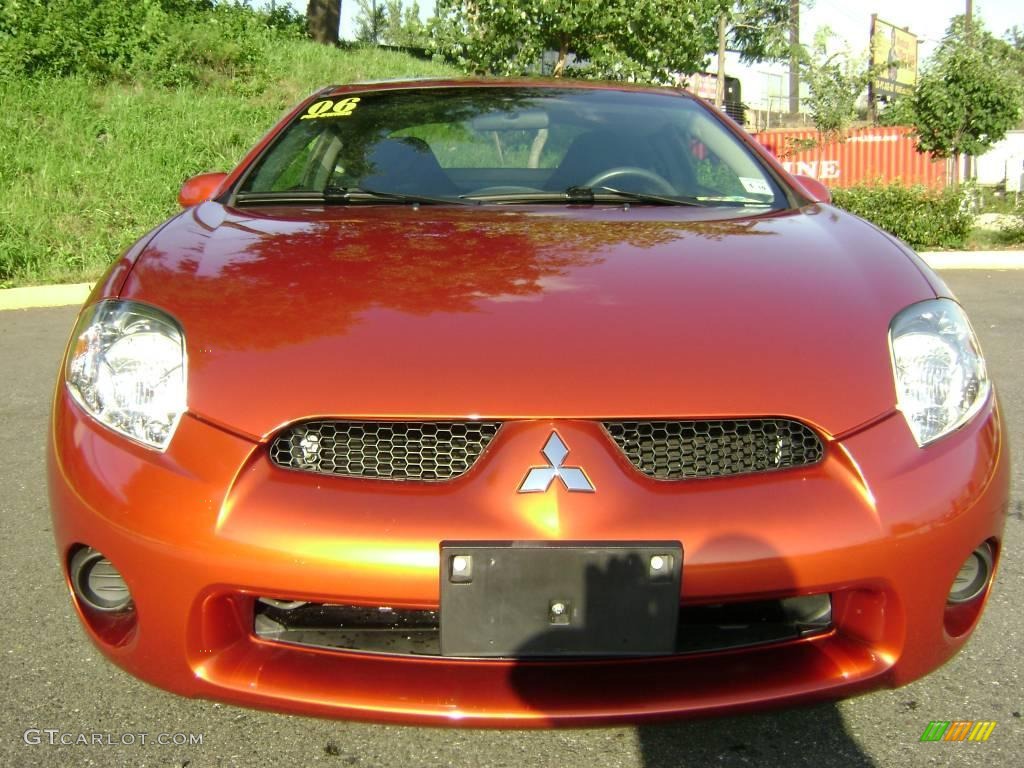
(662, 185)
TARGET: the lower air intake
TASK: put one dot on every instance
(408, 632)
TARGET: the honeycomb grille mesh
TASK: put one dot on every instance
(678, 450)
(406, 450)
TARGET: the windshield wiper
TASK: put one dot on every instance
(737, 200)
(359, 194)
(596, 193)
(586, 195)
(343, 195)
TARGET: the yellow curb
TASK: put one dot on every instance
(44, 296)
(974, 259)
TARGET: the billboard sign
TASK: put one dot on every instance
(893, 60)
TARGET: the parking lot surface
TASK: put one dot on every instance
(54, 680)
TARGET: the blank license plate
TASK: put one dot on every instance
(549, 599)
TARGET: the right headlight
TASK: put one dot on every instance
(127, 370)
(941, 380)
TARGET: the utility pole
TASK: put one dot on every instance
(872, 102)
(969, 14)
(720, 80)
(794, 57)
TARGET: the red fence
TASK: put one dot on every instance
(867, 156)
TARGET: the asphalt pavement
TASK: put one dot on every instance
(54, 680)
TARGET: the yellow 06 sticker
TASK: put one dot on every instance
(331, 108)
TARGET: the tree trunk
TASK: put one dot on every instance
(322, 20)
(536, 148)
(956, 169)
(563, 57)
(498, 148)
(720, 87)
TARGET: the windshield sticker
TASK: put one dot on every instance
(331, 108)
(755, 186)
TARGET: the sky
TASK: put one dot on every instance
(928, 19)
(850, 19)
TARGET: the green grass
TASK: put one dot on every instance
(1011, 238)
(85, 169)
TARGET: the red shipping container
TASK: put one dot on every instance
(866, 156)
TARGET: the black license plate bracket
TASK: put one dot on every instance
(523, 599)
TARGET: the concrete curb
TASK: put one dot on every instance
(974, 259)
(37, 296)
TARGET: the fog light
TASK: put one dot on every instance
(973, 576)
(96, 582)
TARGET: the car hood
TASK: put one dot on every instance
(569, 312)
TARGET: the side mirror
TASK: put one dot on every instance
(815, 190)
(200, 188)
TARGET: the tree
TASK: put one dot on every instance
(391, 23)
(404, 27)
(370, 21)
(322, 20)
(756, 29)
(1015, 52)
(835, 83)
(642, 40)
(968, 97)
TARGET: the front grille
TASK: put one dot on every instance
(388, 450)
(678, 450)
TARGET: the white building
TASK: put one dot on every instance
(1003, 164)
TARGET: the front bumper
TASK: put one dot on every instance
(202, 531)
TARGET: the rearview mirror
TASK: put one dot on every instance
(814, 189)
(200, 188)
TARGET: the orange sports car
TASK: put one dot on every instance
(522, 404)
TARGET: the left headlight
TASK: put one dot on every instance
(941, 379)
(127, 369)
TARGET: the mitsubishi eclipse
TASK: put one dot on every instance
(503, 403)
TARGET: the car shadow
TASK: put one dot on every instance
(804, 735)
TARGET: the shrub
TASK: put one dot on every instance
(62, 37)
(191, 53)
(169, 42)
(922, 217)
(1010, 234)
(1015, 232)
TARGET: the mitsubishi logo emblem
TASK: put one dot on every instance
(539, 479)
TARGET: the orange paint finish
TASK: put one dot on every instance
(195, 558)
(599, 279)
(544, 318)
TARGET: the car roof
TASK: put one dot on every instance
(546, 83)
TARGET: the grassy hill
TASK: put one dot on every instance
(87, 167)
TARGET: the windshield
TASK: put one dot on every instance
(505, 144)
